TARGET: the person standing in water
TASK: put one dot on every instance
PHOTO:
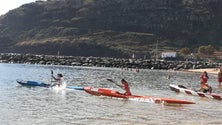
(219, 76)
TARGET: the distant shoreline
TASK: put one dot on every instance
(109, 62)
(208, 70)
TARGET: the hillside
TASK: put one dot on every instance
(112, 28)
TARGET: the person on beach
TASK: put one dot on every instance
(125, 86)
(219, 76)
(204, 87)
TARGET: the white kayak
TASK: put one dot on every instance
(185, 90)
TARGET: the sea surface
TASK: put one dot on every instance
(21, 105)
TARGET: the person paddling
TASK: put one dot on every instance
(204, 77)
(204, 87)
(58, 80)
(125, 86)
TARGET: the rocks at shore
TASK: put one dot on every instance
(102, 62)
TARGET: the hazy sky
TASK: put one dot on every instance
(6, 5)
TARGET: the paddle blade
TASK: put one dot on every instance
(110, 80)
(181, 86)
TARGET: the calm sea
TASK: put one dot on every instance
(42, 106)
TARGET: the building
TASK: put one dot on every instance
(168, 54)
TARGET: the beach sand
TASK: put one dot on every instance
(208, 70)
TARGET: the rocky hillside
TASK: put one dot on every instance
(110, 28)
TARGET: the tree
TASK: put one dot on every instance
(210, 49)
(185, 51)
(206, 50)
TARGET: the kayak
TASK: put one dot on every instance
(75, 87)
(32, 83)
(185, 90)
(41, 84)
(115, 94)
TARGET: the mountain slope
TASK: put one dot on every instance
(113, 28)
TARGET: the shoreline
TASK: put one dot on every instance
(187, 66)
(213, 71)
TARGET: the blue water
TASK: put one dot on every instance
(42, 106)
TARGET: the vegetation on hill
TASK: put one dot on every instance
(111, 28)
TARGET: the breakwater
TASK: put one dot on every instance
(102, 62)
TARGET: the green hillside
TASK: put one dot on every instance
(112, 28)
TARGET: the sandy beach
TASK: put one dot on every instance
(208, 70)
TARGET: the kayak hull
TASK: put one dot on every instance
(32, 83)
(41, 84)
(181, 89)
(116, 94)
(75, 87)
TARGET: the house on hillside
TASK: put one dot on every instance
(168, 55)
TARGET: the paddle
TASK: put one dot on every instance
(181, 86)
(51, 85)
(114, 82)
(51, 75)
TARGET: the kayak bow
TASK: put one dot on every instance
(32, 83)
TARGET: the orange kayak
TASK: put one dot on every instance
(116, 94)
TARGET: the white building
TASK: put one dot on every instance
(168, 54)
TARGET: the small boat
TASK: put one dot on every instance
(41, 84)
(75, 87)
(183, 89)
(115, 94)
(32, 83)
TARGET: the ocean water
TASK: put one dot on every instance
(21, 105)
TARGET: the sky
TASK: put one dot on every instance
(6, 5)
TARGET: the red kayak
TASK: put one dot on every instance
(116, 94)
